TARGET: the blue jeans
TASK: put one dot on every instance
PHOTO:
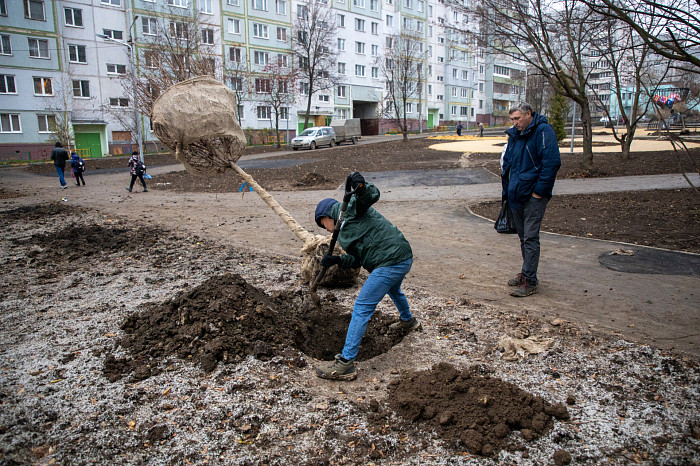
(59, 170)
(382, 281)
(528, 219)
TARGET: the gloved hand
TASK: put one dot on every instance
(356, 181)
(329, 261)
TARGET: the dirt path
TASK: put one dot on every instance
(457, 255)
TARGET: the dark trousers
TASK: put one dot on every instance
(133, 180)
(528, 219)
(79, 177)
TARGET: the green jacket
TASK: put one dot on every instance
(370, 240)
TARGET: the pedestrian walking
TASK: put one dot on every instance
(459, 128)
(481, 129)
(60, 156)
(78, 166)
(531, 160)
(372, 242)
(137, 170)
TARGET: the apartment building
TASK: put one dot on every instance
(72, 59)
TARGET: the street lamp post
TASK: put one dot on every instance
(134, 92)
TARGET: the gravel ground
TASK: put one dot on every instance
(63, 311)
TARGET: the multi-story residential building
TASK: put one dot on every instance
(73, 59)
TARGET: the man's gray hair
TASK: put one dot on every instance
(522, 107)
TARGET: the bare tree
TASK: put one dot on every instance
(313, 45)
(676, 30)
(63, 106)
(553, 37)
(401, 66)
(278, 92)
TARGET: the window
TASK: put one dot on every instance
(341, 45)
(463, 111)
(302, 11)
(281, 7)
(340, 20)
(440, 97)
(34, 9)
(465, 75)
(205, 6)
(284, 113)
(241, 114)
(262, 86)
(208, 36)
(282, 34)
(283, 87)
(453, 110)
(261, 58)
(440, 78)
(260, 5)
(303, 36)
(419, 26)
(148, 25)
(234, 54)
(234, 26)
(151, 59)
(464, 92)
(481, 87)
(359, 24)
(237, 83)
(264, 112)
(360, 70)
(177, 3)
(38, 48)
(389, 42)
(389, 21)
(409, 107)
(342, 91)
(374, 5)
(430, 31)
(282, 60)
(74, 17)
(481, 104)
(304, 88)
(341, 68)
(359, 3)
(408, 24)
(118, 102)
(5, 45)
(178, 30)
(47, 123)
(116, 69)
(375, 72)
(324, 98)
(3, 8)
(502, 70)
(76, 54)
(111, 2)
(260, 31)
(9, 123)
(234, 2)
(375, 50)
(375, 28)
(454, 92)
(441, 59)
(454, 74)
(430, 89)
(341, 113)
(7, 84)
(420, 5)
(81, 89)
(360, 47)
(408, 3)
(113, 34)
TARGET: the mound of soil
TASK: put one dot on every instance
(470, 410)
(38, 212)
(225, 319)
(312, 179)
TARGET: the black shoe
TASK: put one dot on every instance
(128, 189)
(145, 190)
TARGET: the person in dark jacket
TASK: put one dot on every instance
(459, 128)
(530, 163)
(373, 242)
(78, 166)
(59, 156)
(137, 170)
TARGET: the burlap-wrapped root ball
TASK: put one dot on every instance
(196, 118)
(335, 276)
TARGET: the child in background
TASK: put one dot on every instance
(78, 166)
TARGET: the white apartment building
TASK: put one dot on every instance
(72, 57)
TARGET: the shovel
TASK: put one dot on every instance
(334, 238)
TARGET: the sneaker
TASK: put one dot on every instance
(516, 281)
(526, 288)
(64, 187)
(337, 370)
(145, 190)
(405, 325)
(128, 189)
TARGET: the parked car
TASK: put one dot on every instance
(313, 137)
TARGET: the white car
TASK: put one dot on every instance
(311, 138)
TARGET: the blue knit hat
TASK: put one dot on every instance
(323, 209)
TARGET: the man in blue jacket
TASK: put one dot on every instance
(373, 242)
(530, 164)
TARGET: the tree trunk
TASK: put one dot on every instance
(587, 156)
(626, 143)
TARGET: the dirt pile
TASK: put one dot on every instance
(225, 319)
(472, 410)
